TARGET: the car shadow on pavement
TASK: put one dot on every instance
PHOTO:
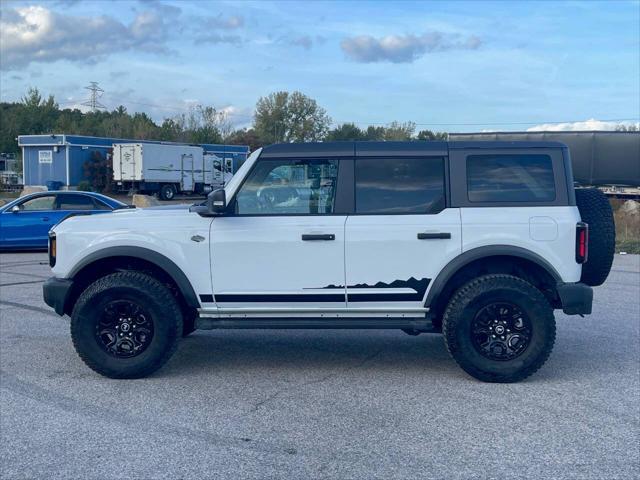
(309, 350)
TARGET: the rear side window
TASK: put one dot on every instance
(75, 202)
(510, 178)
(399, 185)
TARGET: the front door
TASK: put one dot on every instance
(282, 248)
(401, 235)
(29, 226)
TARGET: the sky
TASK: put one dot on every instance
(445, 65)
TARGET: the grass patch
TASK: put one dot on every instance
(627, 229)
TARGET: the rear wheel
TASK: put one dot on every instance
(167, 192)
(126, 325)
(499, 328)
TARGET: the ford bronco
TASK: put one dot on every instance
(479, 241)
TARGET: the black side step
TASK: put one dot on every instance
(421, 324)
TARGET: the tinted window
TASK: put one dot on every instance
(289, 186)
(510, 178)
(75, 202)
(399, 185)
(39, 203)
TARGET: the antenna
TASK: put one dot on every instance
(96, 93)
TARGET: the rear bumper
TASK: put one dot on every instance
(56, 292)
(576, 298)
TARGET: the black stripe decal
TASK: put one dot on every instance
(419, 286)
(384, 297)
(305, 297)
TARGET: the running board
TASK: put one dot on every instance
(417, 324)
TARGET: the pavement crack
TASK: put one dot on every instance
(138, 423)
(29, 307)
(256, 406)
(20, 283)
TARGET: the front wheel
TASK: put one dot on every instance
(499, 328)
(126, 325)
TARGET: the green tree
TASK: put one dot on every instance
(285, 117)
(429, 135)
(346, 131)
(399, 131)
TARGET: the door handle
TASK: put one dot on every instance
(45, 219)
(434, 236)
(318, 236)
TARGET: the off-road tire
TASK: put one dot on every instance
(188, 324)
(596, 211)
(167, 192)
(470, 298)
(146, 291)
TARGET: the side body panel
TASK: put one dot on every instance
(549, 232)
(166, 232)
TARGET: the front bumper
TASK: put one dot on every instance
(576, 298)
(56, 292)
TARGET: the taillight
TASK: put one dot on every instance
(582, 242)
(52, 249)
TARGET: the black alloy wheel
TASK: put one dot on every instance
(124, 329)
(501, 331)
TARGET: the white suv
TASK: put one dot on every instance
(480, 241)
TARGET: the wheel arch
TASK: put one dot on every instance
(111, 259)
(492, 259)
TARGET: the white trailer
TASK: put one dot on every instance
(164, 169)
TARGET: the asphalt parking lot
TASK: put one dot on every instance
(318, 404)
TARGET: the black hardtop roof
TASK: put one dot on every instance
(379, 149)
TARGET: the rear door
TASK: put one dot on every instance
(402, 233)
(128, 162)
(186, 183)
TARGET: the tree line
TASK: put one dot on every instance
(278, 117)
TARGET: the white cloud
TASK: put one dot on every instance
(404, 48)
(210, 27)
(591, 124)
(37, 34)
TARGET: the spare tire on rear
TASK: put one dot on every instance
(595, 210)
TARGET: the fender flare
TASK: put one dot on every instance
(150, 256)
(474, 254)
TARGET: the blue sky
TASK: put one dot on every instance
(455, 65)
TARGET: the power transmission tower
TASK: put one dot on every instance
(96, 93)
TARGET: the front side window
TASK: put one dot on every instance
(399, 185)
(510, 178)
(39, 203)
(289, 187)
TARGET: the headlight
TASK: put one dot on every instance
(52, 249)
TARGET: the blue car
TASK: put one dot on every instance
(26, 221)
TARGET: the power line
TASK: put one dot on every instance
(536, 122)
(99, 92)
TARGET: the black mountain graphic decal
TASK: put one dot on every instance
(420, 286)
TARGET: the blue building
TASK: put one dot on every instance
(61, 157)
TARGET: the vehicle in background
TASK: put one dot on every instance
(166, 170)
(26, 221)
(603, 159)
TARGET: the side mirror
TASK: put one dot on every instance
(217, 201)
(15, 209)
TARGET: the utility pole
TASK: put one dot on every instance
(96, 93)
